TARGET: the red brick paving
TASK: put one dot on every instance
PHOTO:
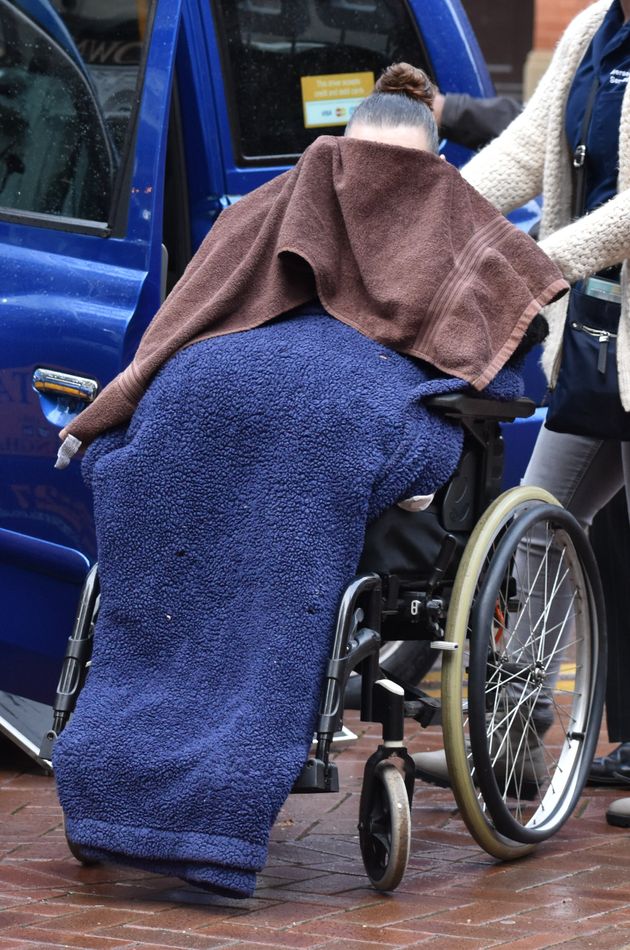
(574, 892)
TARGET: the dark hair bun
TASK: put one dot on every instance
(413, 82)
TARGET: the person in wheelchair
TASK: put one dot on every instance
(274, 408)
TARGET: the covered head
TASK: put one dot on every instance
(399, 111)
(457, 285)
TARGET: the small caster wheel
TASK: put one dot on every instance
(385, 836)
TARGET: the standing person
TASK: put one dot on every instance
(579, 115)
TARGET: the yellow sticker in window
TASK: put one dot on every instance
(331, 100)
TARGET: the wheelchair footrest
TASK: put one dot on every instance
(317, 776)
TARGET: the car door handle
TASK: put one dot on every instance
(50, 382)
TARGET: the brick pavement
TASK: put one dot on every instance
(574, 892)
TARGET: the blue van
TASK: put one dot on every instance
(125, 127)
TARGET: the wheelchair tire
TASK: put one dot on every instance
(469, 579)
(385, 839)
(533, 732)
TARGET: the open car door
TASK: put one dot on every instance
(84, 97)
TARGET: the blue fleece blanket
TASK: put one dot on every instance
(230, 516)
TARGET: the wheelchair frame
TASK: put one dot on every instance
(442, 611)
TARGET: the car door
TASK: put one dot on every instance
(84, 96)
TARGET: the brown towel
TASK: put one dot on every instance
(392, 240)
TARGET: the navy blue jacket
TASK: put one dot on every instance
(608, 58)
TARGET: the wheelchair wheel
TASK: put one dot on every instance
(536, 674)
(477, 561)
(385, 836)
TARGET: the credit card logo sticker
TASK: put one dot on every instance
(331, 99)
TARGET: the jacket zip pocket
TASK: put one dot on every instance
(603, 337)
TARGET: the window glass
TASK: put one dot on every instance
(298, 68)
(68, 76)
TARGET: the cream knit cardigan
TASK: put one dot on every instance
(531, 157)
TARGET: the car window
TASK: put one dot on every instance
(68, 76)
(296, 69)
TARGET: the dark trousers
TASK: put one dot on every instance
(610, 537)
(586, 476)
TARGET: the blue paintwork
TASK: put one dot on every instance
(46, 603)
(452, 47)
(78, 302)
(202, 130)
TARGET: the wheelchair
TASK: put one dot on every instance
(505, 591)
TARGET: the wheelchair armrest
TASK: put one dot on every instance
(460, 406)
